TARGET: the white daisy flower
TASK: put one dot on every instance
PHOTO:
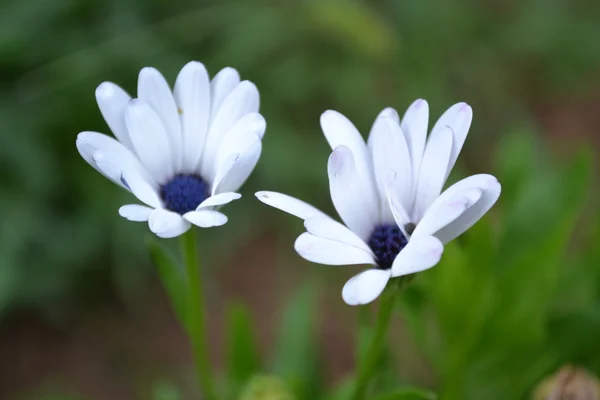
(183, 153)
(389, 195)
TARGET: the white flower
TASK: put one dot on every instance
(389, 195)
(182, 153)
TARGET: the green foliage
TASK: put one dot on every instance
(407, 394)
(171, 275)
(266, 388)
(494, 298)
(165, 391)
(243, 359)
(295, 353)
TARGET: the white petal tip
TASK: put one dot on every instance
(420, 103)
(148, 71)
(105, 89)
(389, 112)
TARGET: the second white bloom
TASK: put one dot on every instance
(388, 193)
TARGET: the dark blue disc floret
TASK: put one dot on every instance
(387, 241)
(184, 193)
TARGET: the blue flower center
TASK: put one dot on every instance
(184, 193)
(387, 241)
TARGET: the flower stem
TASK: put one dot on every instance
(196, 323)
(369, 362)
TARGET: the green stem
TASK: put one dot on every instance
(196, 322)
(369, 362)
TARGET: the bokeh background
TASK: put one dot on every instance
(82, 312)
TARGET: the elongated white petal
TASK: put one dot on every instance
(458, 118)
(340, 131)
(167, 224)
(240, 169)
(135, 212)
(391, 160)
(220, 87)
(240, 136)
(442, 213)
(206, 218)
(149, 139)
(365, 287)
(155, 91)
(355, 205)
(222, 171)
(399, 213)
(414, 126)
(290, 205)
(491, 189)
(421, 253)
(327, 228)
(88, 143)
(219, 200)
(244, 99)
(133, 179)
(192, 96)
(330, 252)
(112, 101)
(433, 171)
(387, 112)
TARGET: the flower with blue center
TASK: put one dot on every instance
(388, 193)
(183, 153)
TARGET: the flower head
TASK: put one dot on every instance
(183, 153)
(388, 193)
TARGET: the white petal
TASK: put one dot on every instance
(241, 168)
(387, 112)
(238, 138)
(192, 95)
(221, 86)
(154, 90)
(330, 252)
(400, 215)
(167, 224)
(414, 126)
(365, 287)
(290, 205)
(112, 101)
(356, 206)
(219, 200)
(327, 228)
(88, 143)
(340, 131)
(443, 212)
(206, 218)
(244, 99)
(421, 253)
(433, 170)
(490, 192)
(391, 160)
(135, 212)
(458, 118)
(133, 179)
(149, 139)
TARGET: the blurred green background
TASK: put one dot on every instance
(82, 314)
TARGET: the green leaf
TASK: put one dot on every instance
(171, 276)
(538, 233)
(407, 393)
(163, 390)
(243, 359)
(264, 387)
(296, 358)
(365, 332)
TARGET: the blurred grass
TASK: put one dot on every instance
(513, 300)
